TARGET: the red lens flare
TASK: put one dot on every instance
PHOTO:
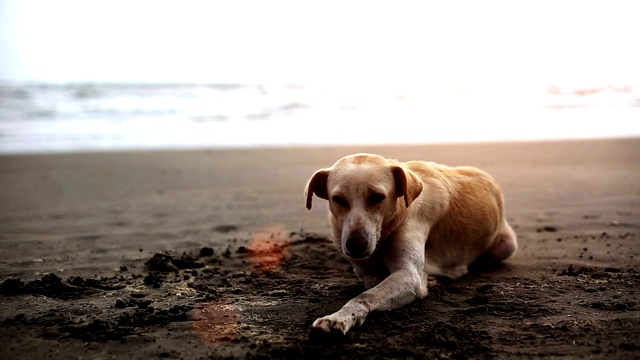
(216, 322)
(267, 249)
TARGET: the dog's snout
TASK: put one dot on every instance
(357, 246)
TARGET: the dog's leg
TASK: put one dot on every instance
(398, 289)
(406, 282)
(454, 272)
(370, 271)
(371, 281)
(506, 243)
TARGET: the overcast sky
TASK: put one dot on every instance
(392, 42)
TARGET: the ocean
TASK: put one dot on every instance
(45, 118)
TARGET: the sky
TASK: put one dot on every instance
(464, 43)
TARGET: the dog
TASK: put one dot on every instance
(398, 222)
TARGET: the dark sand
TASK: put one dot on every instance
(243, 268)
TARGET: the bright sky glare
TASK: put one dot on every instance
(445, 43)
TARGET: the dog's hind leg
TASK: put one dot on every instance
(505, 243)
(453, 272)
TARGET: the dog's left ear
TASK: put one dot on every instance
(407, 184)
(317, 185)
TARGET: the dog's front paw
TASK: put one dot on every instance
(337, 324)
(331, 325)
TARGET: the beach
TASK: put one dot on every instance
(211, 253)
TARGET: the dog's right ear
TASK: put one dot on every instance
(317, 185)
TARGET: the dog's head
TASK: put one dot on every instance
(363, 191)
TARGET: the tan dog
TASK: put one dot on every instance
(397, 222)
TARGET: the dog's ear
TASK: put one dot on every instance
(407, 184)
(317, 185)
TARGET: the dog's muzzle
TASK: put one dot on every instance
(357, 246)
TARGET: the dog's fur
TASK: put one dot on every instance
(397, 222)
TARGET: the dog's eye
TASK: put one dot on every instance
(376, 198)
(340, 200)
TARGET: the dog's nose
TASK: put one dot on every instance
(357, 246)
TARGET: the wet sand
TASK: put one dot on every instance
(211, 254)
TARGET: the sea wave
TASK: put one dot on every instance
(80, 117)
